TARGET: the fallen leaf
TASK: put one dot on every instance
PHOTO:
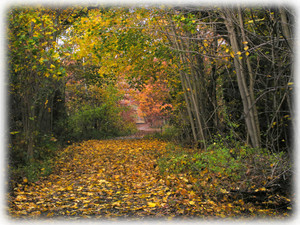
(151, 204)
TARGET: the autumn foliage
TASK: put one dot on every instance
(217, 81)
(152, 100)
(122, 179)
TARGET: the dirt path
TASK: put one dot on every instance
(143, 129)
(146, 127)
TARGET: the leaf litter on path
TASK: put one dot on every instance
(115, 178)
(97, 178)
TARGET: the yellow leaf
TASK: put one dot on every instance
(52, 66)
(192, 193)
(117, 203)
(290, 83)
(69, 188)
(151, 204)
(245, 42)
(191, 202)
(25, 180)
(238, 53)
(247, 53)
(20, 198)
(246, 48)
(224, 191)
(56, 55)
(261, 189)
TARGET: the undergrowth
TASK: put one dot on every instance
(20, 169)
(239, 168)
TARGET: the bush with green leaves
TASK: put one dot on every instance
(240, 167)
(95, 122)
(167, 133)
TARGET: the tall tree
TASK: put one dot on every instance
(35, 69)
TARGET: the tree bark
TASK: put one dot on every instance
(285, 27)
(251, 78)
(248, 103)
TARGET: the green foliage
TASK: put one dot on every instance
(46, 147)
(96, 114)
(44, 152)
(37, 169)
(240, 167)
(94, 122)
(169, 133)
(176, 160)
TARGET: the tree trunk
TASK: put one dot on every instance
(251, 77)
(28, 117)
(248, 103)
(285, 27)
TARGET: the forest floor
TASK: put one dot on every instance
(143, 130)
(120, 179)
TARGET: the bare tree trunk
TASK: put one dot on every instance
(251, 77)
(28, 117)
(188, 93)
(285, 27)
(248, 103)
(188, 108)
(197, 113)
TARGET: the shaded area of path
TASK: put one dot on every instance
(143, 129)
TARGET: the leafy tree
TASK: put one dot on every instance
(152, 101)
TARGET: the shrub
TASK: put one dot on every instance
(92, 122)
(240, 168)
(176, 160)
(169, 133)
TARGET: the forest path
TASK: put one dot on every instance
(121, 179)
(143, 129)
(104, 178)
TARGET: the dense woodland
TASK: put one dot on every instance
(219, 80)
